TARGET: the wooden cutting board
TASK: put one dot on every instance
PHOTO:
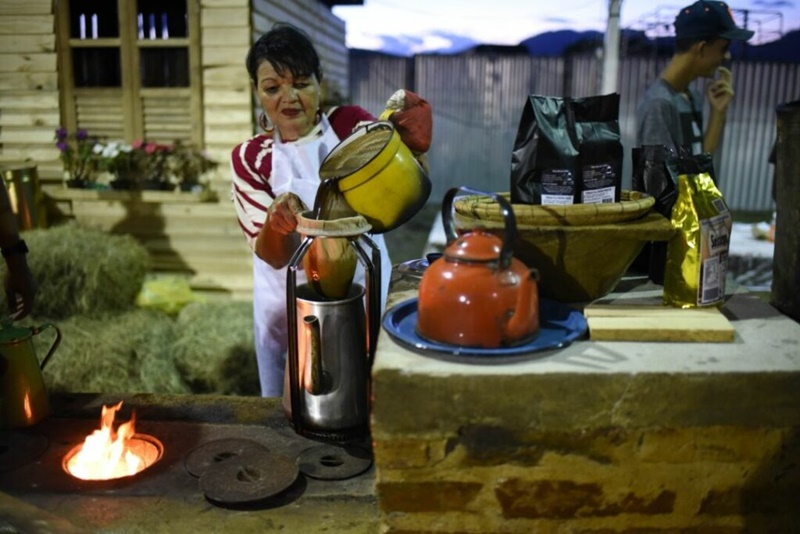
(616, 322)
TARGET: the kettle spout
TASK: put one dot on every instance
(524, 319)
(312, 372)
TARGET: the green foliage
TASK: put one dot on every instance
(115, 157)
(188, 164)
(77, 155)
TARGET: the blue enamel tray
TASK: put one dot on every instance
(560, 326)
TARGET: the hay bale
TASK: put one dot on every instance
(127, 352)
(85, 271)
(214, 348)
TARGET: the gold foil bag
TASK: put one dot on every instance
(697, 257)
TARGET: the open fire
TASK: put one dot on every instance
(106, 454)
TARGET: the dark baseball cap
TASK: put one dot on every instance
(709, 19)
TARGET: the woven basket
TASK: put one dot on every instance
(634, 205)
(579, 263)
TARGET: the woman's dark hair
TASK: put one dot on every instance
(287, 48)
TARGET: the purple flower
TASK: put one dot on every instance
(62, 146)
(61, 133)
(81, 135)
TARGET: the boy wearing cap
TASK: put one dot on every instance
(669, 113)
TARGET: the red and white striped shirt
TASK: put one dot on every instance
(251, 169)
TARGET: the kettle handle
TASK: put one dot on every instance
(510, 230)
(38, 329)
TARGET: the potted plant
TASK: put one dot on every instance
(152, 160)
(77, 156)
(119, 160)
(188, 164)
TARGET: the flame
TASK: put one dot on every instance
(106, 454)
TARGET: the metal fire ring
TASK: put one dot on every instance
(250, 477)
(329, 462)
(211, 453)
(19, 448)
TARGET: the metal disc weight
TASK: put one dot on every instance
(329, 462)
(250, 477)
(211, 453)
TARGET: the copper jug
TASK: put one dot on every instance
(23, 397)
(477, 294)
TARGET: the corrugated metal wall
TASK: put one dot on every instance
(374, 77)
(477, 101)
(477, 111)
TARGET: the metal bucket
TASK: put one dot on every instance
(25, 197)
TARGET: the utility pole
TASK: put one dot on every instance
(611, 49)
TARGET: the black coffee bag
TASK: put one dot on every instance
(567, 151)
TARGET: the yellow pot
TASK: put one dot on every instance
(378, 176)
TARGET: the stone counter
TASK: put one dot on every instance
(595, 437)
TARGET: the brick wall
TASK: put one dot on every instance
(489, 479)
(594, 438)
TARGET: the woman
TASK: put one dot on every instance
(19, 284)
(276, 174)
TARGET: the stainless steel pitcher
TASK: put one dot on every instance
(332, 363)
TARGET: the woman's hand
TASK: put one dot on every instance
(19, 286)
(282, 213)
(278, 239)
(413, 119)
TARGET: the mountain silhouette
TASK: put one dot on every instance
(559, 43)
(636, 43)
(554, 44)
(784, 49)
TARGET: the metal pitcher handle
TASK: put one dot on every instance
(38, 329)
(509, 232)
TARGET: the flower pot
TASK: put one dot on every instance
(154, 184)
(78, 183)
(122, 184)
(188, 188)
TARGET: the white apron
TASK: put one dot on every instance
(295, 168)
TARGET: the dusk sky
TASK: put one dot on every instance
(432, 24)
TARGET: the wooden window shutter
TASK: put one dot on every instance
(130, 69)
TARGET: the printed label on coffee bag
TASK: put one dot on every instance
(599, 184)
(714, 242)
(558, 187)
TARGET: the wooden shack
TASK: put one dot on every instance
(155, 70)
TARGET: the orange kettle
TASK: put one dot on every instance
(478, 294)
